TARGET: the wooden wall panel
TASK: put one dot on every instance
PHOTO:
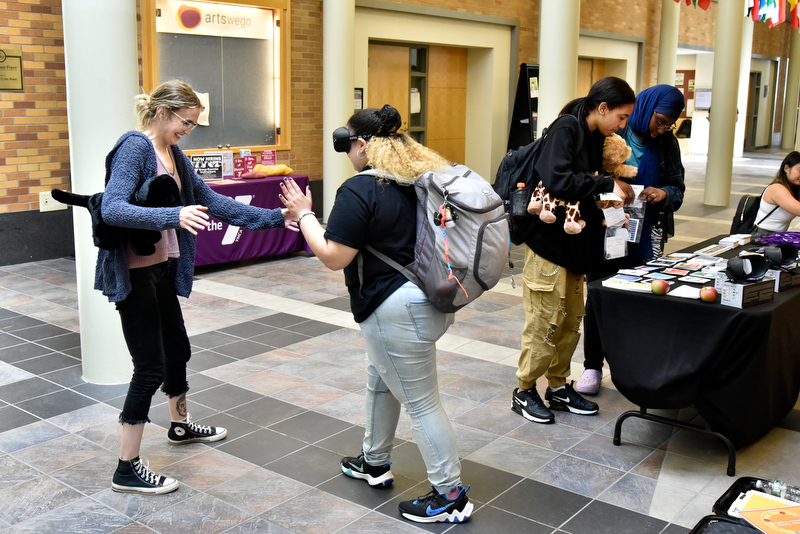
(447, 101)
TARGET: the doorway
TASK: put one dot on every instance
(751, 122)
(428, 87)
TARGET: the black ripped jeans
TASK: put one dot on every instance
(152, 323)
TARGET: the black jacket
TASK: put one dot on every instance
(568, 172)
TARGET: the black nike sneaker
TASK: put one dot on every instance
(529, 405)
(436, 508)
(569, 400)
(375, 475)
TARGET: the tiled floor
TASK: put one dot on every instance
(279, 361)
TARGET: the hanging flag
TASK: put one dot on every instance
(778, 14)
(755, 9)
(792, 4)
(793, 18)
(768, 10)
(703, 4)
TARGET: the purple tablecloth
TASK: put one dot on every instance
(222, 243)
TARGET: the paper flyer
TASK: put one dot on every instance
(774, 520)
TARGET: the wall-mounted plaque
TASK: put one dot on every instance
(11, 77)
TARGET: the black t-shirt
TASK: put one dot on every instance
(380, 213)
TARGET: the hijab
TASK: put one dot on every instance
(666, 100)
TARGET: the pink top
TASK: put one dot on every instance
(167, 246)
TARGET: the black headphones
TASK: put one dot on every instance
(342, 139)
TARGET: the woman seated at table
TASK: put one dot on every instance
(779, 202)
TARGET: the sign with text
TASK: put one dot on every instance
(219, 20)
(11, 76)
(208, 166)
(269, 157)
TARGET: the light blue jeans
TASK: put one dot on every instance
(401, 347)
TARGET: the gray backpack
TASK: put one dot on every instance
(457, 259)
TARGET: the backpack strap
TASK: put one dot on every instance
(768, 214)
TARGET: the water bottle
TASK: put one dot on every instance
(519, 201)
(780, 489)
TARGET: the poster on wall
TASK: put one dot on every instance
(702, 99)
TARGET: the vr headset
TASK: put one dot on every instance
(342, 139)
(754, 266)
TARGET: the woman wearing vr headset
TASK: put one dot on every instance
(399, 324)
(145, 289)
(780, 202)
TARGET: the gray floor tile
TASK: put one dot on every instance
(310, 427)
(55, 403)
(601, 518)
(261, 447)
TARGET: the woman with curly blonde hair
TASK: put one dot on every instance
(399, 323)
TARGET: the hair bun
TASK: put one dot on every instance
(390, 120)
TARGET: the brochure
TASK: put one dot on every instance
(623, 282)
(774, 520)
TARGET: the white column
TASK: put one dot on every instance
(668, 41)
(789, 127)
(727, 64)
(102, 79)
(558, 56)
(748, 25)
(338, 70)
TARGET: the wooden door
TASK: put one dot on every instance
(388, 78)
(447, 101)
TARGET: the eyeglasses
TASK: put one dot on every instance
(662, 125)
(188, 125)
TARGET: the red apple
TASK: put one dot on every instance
(708, 294)
(659, 287)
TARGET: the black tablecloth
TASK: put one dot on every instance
(739, 368)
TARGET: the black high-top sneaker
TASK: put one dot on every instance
(181, 432)
(133, 476)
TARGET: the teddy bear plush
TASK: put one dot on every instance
(615, 152)
(156, 192)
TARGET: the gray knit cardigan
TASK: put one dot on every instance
(128, 165)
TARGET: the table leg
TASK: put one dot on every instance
(642, 414)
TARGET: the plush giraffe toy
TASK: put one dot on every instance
(544, 205)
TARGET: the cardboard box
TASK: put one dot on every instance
(783, 280)
(745, 295)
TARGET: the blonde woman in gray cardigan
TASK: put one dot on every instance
(145, 289)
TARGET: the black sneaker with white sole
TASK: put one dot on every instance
(375, 475)
(181, 432)
(437, 508)
(133, 476)
(529, 405)
(569, 400)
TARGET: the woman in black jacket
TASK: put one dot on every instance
(556, 262)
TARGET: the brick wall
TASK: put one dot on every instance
(34, 146)
(34, 149)
(306, 89)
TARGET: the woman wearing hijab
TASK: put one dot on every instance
(657, 155)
